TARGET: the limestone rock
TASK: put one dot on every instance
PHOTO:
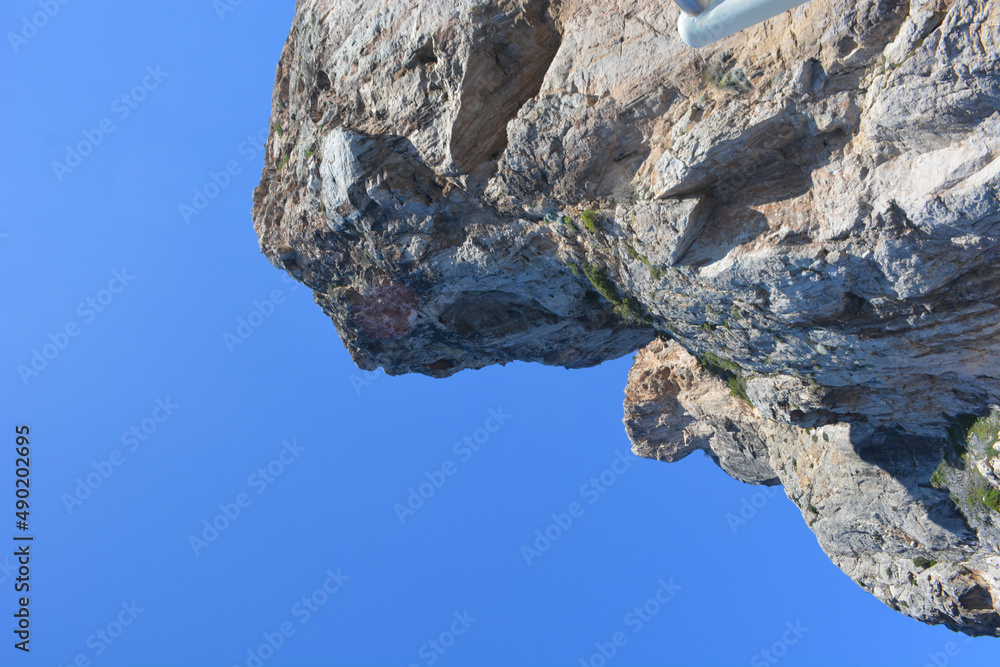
(866, 492)
(808, 210)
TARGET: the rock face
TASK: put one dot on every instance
(799, 225)
(872, 495)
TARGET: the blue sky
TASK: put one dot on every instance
(198, 502)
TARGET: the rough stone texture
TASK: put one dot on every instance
(810, 207)
(674, 407)
(866, 492)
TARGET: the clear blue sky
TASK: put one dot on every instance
(141, 398)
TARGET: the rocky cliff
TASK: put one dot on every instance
(798, 227)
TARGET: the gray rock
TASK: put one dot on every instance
(812, 207)
(919, 540)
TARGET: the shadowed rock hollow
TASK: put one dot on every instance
(797, 226)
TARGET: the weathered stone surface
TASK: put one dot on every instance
(674, 407)
(866, 492)
(811, 207)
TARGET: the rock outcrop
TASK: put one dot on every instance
(876, 497)
(799, 226)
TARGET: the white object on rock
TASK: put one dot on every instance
(723, 18)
